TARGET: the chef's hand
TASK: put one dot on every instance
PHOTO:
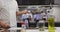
(4, 25)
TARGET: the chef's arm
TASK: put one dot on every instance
(4, 25)
(21, 12)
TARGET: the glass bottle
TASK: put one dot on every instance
(51, 23)
(41, 25)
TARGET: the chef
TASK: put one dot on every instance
(8, 12)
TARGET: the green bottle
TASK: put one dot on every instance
(51, 24)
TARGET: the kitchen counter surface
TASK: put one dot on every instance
(29, 30)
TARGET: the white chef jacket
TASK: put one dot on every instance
(8, 10)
